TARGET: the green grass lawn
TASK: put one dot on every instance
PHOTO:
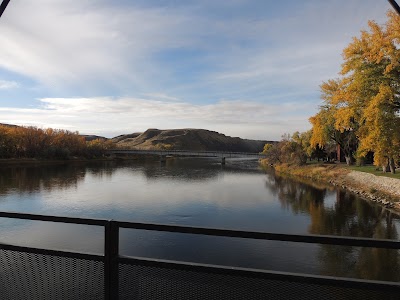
(372, 170)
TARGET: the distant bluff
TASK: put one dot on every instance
(188, 139)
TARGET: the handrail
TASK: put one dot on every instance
(112, 258)
(304, 238)
(260, 235)
(58, 219)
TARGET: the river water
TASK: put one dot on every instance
(199, 192)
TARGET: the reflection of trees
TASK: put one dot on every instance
(380, 264)
(103, 168)
(348, 216)
(352, 216)
(33, 178)
(295, 195)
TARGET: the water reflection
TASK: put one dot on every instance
(346, 216)
(34, 178)
(30, 179)
(199, 192)
(295, 195)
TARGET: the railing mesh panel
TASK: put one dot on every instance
(27, 276)
(144, 282)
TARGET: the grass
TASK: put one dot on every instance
(314, 170)
(373, 170)
(319, 170)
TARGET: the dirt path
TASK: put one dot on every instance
(380, 183)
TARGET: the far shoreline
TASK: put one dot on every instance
(37, 161)
(44, 161)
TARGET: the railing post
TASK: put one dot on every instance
(111, 253)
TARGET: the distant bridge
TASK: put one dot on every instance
(188, 153)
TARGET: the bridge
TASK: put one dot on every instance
(188, 153)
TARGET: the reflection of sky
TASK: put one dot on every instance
(166, 194)
(204, 194)
(49, 235)
(188, 192)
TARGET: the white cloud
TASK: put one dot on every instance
(5, 84)
(60, 43)
(99, 47)
(109, 116)
(90, 43)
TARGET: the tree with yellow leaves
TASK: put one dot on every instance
(326, 130)
(364, 104)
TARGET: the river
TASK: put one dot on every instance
(199, 192)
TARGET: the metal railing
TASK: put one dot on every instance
(112, 261)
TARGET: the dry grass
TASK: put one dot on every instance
(320, 172)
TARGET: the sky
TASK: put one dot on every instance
(244, 68)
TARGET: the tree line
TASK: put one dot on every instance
(33, 142)
(361, 108)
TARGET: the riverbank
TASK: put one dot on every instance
(33, 161)
(383, 190)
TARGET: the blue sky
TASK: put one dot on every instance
(244, 68)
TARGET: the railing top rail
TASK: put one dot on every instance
(315, 239)
(58, 219)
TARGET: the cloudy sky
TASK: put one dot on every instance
(241, 67)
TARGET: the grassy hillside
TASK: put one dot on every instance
(89, 138)
(188, 139)
(176, 139)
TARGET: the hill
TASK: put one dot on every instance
(180, 139)
(188, 139)
(89, 138)
(8, 125)
(125, 137)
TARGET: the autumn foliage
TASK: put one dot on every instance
(290, 150)
(33, 142)
(361, 108)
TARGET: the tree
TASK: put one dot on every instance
(325, 130)
(33, 142)
(373, 70)
(286, 151)
(381, 130)
(361, 109)
(312, 151)
(273, 153)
